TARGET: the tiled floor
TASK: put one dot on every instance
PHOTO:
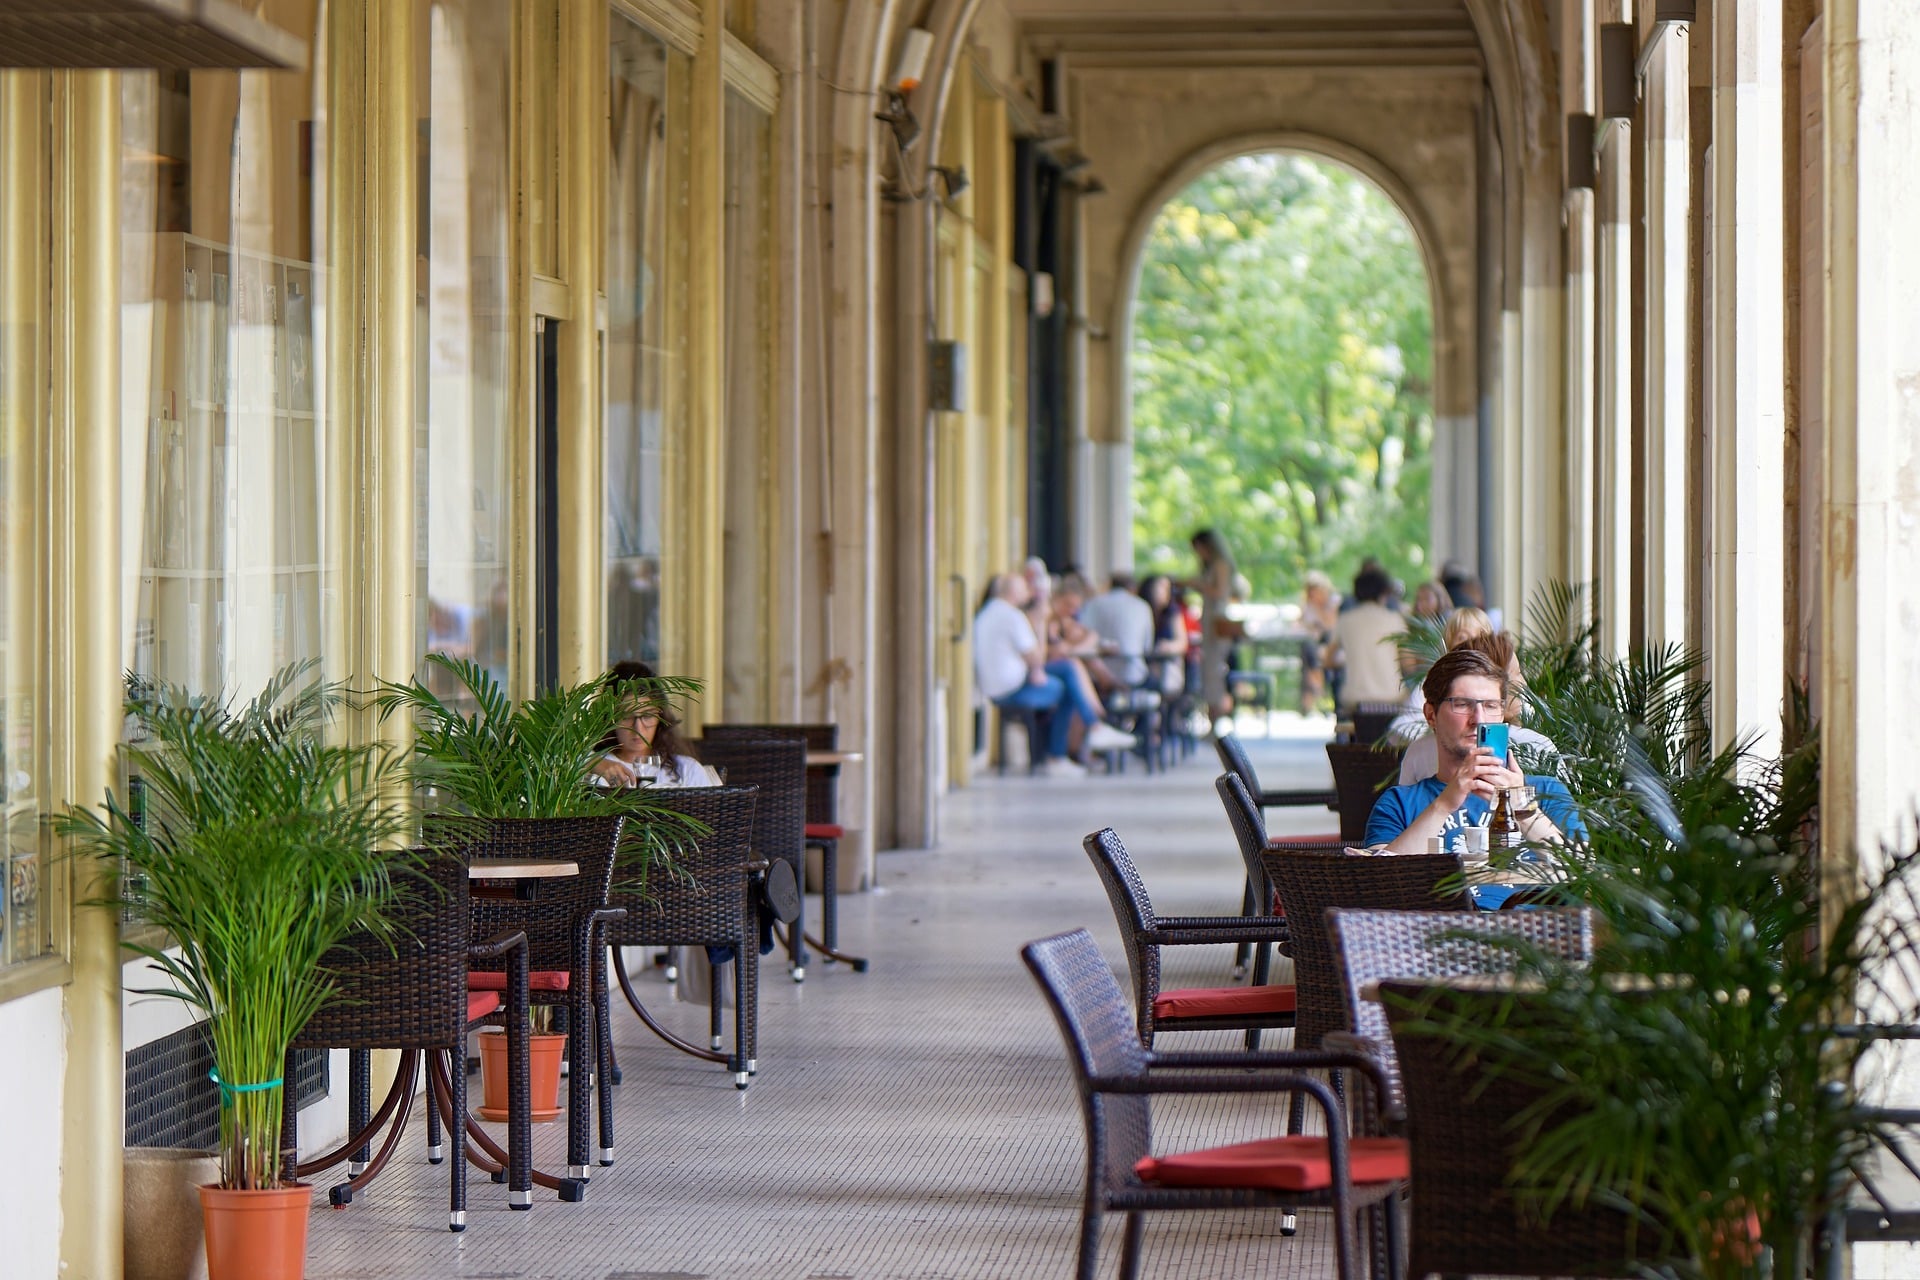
(916, 1121)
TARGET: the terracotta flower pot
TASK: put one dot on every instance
(163, 1240)
(544, 1053)
(256, 1235)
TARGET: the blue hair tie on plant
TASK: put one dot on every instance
(228, 1090)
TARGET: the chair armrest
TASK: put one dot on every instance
(1273, 1060)
(1391, 1113)
(498, 945)
(1221, 931)
(1293, 799)
(1188, 923)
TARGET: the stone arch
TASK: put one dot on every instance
(1317, 146)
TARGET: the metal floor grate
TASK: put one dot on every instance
(915, 1122)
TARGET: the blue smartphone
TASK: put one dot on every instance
(1494, 737)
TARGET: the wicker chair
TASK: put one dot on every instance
(1360, 773)
(1370, 946)
(710, 900)
(1248, 1009)
(1250, 835)
(1311, 884)
(824, 831)
(1116, 1077)
(1465, 1219)
(410, 992)
(1258, 896)
(564, 927)
(778, 767)
(1373, 721)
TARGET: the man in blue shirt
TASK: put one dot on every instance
(1464, 688)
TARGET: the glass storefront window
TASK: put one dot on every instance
(748, 641)
(223, 351)
(464, 352)
(637, 356)
(25, 927)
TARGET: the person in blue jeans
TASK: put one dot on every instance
(1463, 688)
(1011, 669)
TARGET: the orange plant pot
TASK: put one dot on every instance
(256, 1235)
(544, 1054)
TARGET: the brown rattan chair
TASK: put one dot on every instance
(1311, 884)
(709, 899)
(824, 831)
(1465, 1216)
(1371, 946)
(564, 926)
(408, 991)
(1250, 835)
(1361, 772)
(1373, 721)
(778, 767)
(1248, 1009)
(1234, 759)
(1116, 1078)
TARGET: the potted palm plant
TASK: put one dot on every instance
(1693, 1075)
(260, 846)
(480, 755)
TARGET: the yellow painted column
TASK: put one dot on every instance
(581, 466)
(84, 516)
(390, 227)
(698, 582)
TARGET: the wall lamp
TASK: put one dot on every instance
(900, 118)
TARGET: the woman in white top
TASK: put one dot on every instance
(644, 748)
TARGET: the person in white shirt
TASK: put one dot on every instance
(1366, 635)
(1124, 623)
(644, 748)
(1010, 668)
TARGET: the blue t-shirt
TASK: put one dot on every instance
(1397, 807)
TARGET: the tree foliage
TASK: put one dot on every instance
(1282, 375)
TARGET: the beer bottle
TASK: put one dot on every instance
(1503, 832)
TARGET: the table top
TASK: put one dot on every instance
(521, 869)
(816, 759)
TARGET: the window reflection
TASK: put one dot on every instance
(464, 349)
(223, 346)
(636, 352)
(24, 926)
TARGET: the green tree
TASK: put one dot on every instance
(1282, 375)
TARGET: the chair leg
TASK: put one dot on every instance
(1130, 1246)
(603, 1082)
(716, 1021)
(1244, 950)
(457, 1138)
(797, 943)
(580, 1057)
(649, 1021)
(1089, 1268)
(828, 943)
(749, 1011)
(740, 1019)
(436, 1145)
(359, 1090)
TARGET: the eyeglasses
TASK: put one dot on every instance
(639, 718)
(1491, 708)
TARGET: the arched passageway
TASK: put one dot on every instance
(1280, 374)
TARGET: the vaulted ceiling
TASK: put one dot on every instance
(1161, 33)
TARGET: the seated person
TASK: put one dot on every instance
(1010, 667)
(1464, 688)
(1126, 627)
(1169, 633)
(644, 746)
(1068, 637)
(1422, 757)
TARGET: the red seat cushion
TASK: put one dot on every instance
(538, 980)
(824, 831)
(1282, 1164)
(481, 1003)
(1223, 1002)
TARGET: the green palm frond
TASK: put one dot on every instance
(260, 846)
(493, 757)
